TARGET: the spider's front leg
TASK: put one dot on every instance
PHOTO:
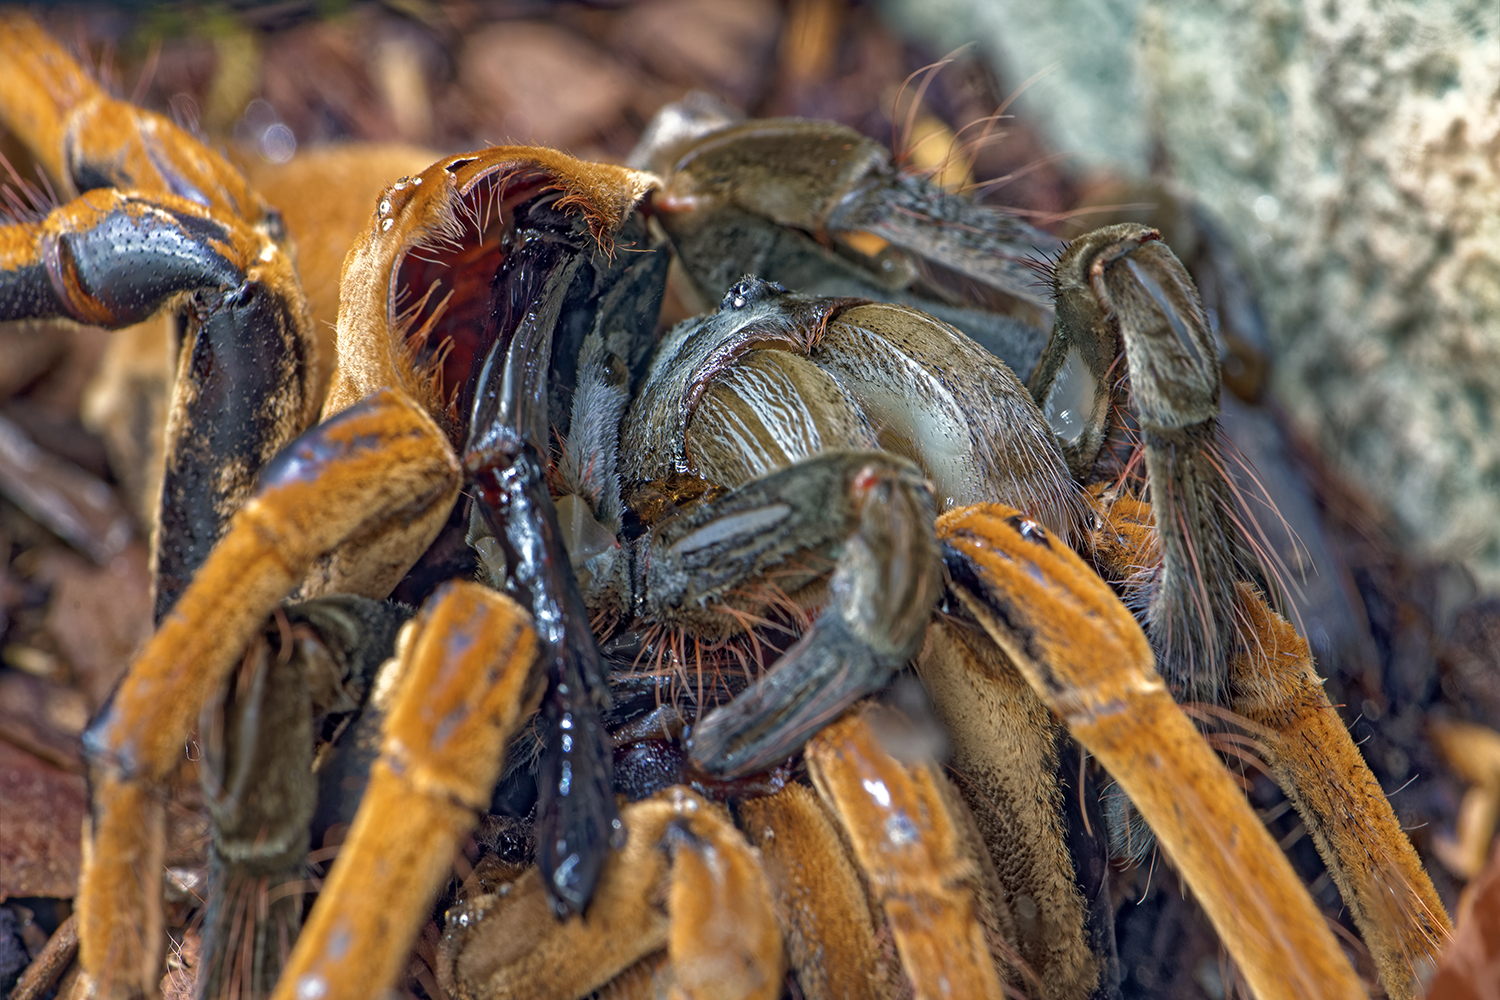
(820, 208)
(159, 221)
(380, 473)
(464, 682)
(1121, 291)
(242, 389)
(869, 515)
(84, 138)
(1351, 821)
(1188, 560)
(1031, 594)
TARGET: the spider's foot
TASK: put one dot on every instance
(1033, 596)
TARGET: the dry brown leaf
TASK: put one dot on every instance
(98, 615)
(41, 816)
(511, 71)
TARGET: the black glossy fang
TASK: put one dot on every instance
(508, 435)
(510, 390)
(576, 814)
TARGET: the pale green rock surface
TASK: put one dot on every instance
(1354, 148)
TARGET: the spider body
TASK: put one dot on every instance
(774, 455)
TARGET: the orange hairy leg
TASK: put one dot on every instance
(381, 471)
(910, 848)
(1274, 685)
(1302, 738)
(160, 223)
(1018, 803)
(230, 250)
(724, 942)
(645, 980)
(465, 683)
(820, 900)
(1029, 592)
(718, 926)
(83, 137)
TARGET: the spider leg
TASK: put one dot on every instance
(873, 507)
(464, 684)
(158, 220)
(718, 926)
(1004, 744)
(903, 832)
(263, 792)
(257, 739)
(1274, 685)
(84, 138)
(820, 899)
(1121, 292)
(1312, 756)
(1030, 593)
(786, 189)
(379, 476)
(242, 388)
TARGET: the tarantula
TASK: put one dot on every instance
(780, 462)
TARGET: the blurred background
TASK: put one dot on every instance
(1333, 166)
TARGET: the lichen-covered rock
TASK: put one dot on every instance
(1354, 146)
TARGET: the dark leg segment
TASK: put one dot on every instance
(1120, 289)
(243, 388)
(315, 660)
(869, 514)
(257, 776)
